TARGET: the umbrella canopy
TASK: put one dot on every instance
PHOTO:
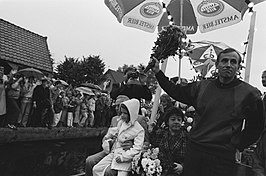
(203, 55)
(64, 83)
(208, 15)
(92, 86)
(31, 72)
(85, 90)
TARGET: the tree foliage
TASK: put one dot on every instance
(124, 67)
(75, 71)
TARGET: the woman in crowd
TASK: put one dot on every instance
(63, 119)
(91, 109)
(58, 107)
(26, 101)
(71, 109)
(79, 97)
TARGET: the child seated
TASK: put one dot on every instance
(128, 128)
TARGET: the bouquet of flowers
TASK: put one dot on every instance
(147, 163)
(170, 42)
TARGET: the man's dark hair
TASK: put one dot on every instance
(229, 50)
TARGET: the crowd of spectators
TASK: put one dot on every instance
(29, 102)
(47, 102)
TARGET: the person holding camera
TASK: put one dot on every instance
(26, 101)
(12, 101)
(134, 86)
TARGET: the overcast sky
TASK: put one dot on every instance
(77, 28)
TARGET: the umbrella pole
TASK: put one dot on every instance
(250, 45)
(179, 69)
(181, 24)
(157, 95)
(181, 12)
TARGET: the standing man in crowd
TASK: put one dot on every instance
(259, 156)
(223, 105)
(43, 105)
(259, 164)
(263, 81)
(134, 86)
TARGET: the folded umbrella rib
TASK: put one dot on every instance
(28, 72)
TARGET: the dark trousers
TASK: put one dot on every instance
(47, 117)
(13, 111)
(2, 120)
(42, 117)
(198, 163)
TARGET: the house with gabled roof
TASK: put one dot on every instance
(113, 77)
(21, 48)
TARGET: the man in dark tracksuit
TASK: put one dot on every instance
(222, 105)
(43, 105)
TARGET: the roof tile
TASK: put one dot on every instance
(24, 47)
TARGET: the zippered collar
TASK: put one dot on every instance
(234, 83)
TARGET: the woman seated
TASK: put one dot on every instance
(118, 161)
(171, 141)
